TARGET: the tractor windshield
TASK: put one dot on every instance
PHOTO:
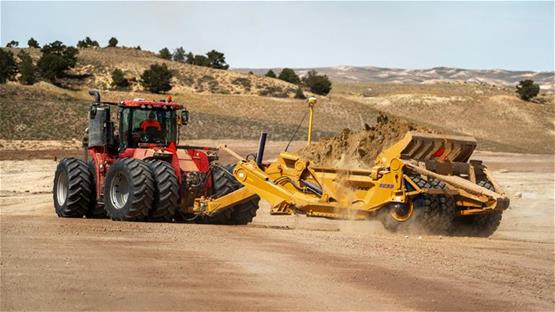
(139, 125)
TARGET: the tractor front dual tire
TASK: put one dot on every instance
(96, 209)
(129, 190)
(73, 189)
(224, 183)
(166, 194)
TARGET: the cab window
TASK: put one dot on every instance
(147, 126)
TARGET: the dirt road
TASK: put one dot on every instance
(276, 263)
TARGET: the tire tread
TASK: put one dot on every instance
(142, 184)
(166, 195)
(224, 183)
(79, 192)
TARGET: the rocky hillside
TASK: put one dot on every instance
(431, 75)
(95, 65)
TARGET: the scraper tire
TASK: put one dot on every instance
(224, 183)
(477, 225)
(432, 214)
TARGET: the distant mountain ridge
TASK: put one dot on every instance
(346, 73)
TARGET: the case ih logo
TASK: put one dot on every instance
(383, 185)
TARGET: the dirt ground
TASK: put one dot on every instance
(277, 262)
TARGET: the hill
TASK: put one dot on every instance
(373, 74)
(492, 113)
(43, 111)
(95, 65)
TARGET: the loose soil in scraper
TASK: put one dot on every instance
(360, 148)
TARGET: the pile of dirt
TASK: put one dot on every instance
(359, 149)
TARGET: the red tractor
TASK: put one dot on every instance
(142, 173)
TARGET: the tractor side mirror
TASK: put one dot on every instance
(184, 117)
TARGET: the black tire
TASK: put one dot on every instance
(477, 225)
(72, 188)
(96, 208)
(166, 191)
(132, 177)
(434, 183)
(432, 214)
(224, 183)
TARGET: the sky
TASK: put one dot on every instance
(476, 35)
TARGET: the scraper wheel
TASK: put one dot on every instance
(224, 183)
(477, 225)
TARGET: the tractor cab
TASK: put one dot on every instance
(148, 123)
(142, 124)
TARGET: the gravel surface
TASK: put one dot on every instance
(275, 263)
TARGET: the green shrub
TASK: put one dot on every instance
(165, 54)
(26, 69)
(216, 60)
(12, 44)
(201, 60)
(319, 84)
(244, 82)
(52, 67)
(289, 75)
(56, 58)
(299, 94)
(271, 74)
(87, 43)
(272, 91)
(157, 79)
(190, 58)
(212, 84)
(527, 89)
(212, 59)
(179, 55)
(8, 67)
(118, 79)
(32, 43)
(113, 42)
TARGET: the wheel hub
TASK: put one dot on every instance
(62, 188)
(401, 212)
(119, 191)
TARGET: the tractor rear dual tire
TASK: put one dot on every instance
(224, 183)
(129, 190)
